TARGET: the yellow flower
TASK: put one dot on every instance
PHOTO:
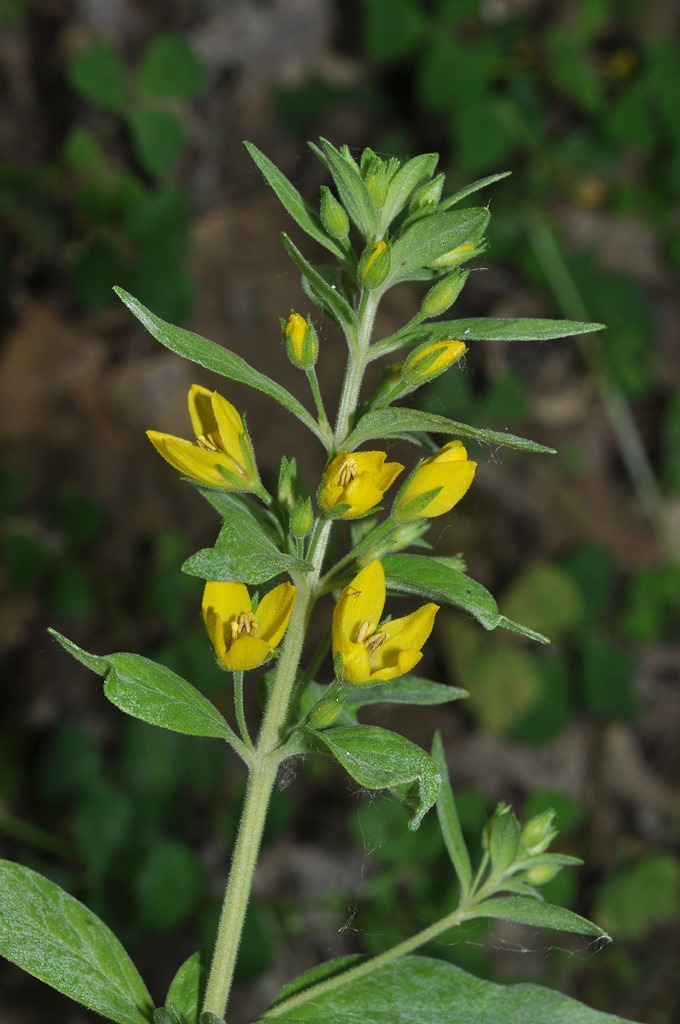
(221, 441)
(436, 485)
(244, 639)
(429, 360)
(370, 652)
(359, 480)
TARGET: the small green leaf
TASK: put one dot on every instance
(400, 422)
(379, 759)
(430, 578)
(242, 553)
(431, 237)
(214, 357)
(467, 190)
(420, 990)
(99, 76)
(410, 175)
(152, 693)
(289, 197)
(53, 937)
(504, 841)
(171, 68)
(186, 988)
(509, 329)
(333, 302)
(352, 190)
(449, 821)
(524, 910)
(158, 138)
(404, 690)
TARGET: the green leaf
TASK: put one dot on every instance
(158, 138)
(170, 68)
(379, 759)
(99, 76)
(504, 841)
(467, 190)
(352, 190)
(431, 237)
(420, 990)
(405, 690)
(53, 937)
(214, 357)
(449, 821)
(242, 553)
(152, 693)
(524, 910)
(410, 175)
(506, 329)
(333, 302)
(186, 988)
(430, 578)
(398, 421)
(289, 197)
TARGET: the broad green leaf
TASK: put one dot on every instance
(230, 503)
(186, 988)
(352, 191)
(524, 910)
(420, 990)
(434, 236)
(158, 138)
(97, 73)
(405, 690)
(152, 693)
(467, 190)
(170, 68)
(242, 553)
(430, 578)
(507, 329)
(449, 821)
(334, 303)
(53, 937)
(379, 759)
(289, 197)
(398, 421)
(410, 175)
(214, 357)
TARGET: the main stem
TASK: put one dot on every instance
(265, 758)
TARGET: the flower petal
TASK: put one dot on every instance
(227, 600)
(274, 612)
(356, 665)
(398, 665)
(191, 460)
(201, 410)
(229, 426)
(361, 601)
(246, 652)
(411, 631)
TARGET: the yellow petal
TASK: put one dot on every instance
(398, 665)
(409, 632)
(274, 612)
(229, 426)
(362, 494)
(454, 451)
(246, 652)
(361, 601)
(453, 477)
(201, 411)
(191, 460)
(356, 665)
(227, 600)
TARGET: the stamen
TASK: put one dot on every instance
(209, 442)
(375, 641)
(348, 472)
(245, 624)
(366, 629)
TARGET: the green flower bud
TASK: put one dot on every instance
(443, 294)
(333, 216)
(301, 518)
(287, 486)
(374, 265)
(302, 341)
(538, 833)
(377, 184)
(541, 874)
(430, 359)
(428, 194)
(325, 712)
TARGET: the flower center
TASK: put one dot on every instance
(348, 472)
(244, 624)
(210, 442)
(369, 638)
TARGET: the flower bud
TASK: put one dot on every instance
(287, 485)
(301, 518)
(333, 216)
(538, 833)
(430, 359)
(428, 194)
(541, 874)
(443, 294)
(377, 183)
(436, 485)
(325, 712)
(374, 265)
(302, 341)
(454, 256)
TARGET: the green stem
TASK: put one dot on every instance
(318, 401)
(240, 711)
(356, 366)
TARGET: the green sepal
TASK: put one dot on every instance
(398, 421)
(51, 935)
(504, 841)
(332, 301)
(431, 237)
(153, 693)
(216, 358)
(432, 579)
(352, 190)
(169, 1015)
(449, 822)
(380, 759)
(289, 197)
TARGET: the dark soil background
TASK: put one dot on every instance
(584, 544)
